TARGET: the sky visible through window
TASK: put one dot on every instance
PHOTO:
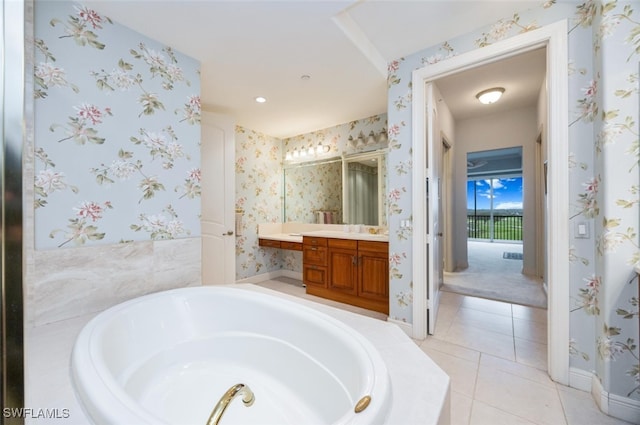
(507, 194)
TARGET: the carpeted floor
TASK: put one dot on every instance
(494, 275)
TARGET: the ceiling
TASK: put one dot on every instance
(264, 48)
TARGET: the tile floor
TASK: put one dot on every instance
(495, 354)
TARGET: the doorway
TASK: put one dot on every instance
(554, 38)
(496, 217)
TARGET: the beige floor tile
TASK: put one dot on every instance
(530, 330)
(531, 353)
(483, 414)
(529, 313)
(462, 372)
(451, 299)
(580, 408)
(460, 408)
(489, 362)
(489, 306)
(482, 340)
(520, 397)
(481, 319)
(446, 315)
(452, 349)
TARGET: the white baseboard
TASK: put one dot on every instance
(580, 379)
(406, 327)
(291, 274)
(271, 275)
(614, 405)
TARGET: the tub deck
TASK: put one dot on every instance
(420, 388)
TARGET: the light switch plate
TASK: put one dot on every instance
(582, 230)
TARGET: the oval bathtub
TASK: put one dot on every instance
(169, 357)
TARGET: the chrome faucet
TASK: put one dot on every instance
(247, 398)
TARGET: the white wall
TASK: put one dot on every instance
(517, 127)
(447, 129)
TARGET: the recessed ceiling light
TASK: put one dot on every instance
(261, 99)
(490, 95)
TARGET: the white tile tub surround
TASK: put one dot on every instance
(420, 388)
(71, 282)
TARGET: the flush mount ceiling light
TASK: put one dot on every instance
(261, 99)
(490, 95)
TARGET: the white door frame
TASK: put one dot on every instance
(554, 38)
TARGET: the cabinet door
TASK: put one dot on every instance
(373, 279)
(314, 276)
(343, 271)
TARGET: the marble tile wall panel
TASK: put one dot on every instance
(72, 282)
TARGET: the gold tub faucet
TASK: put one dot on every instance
(247, 398)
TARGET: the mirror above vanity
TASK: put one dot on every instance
(338, 190)
(363, 188)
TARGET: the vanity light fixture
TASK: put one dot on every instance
(320, 149)
(383, 136)
(489, 96)
(371, 140)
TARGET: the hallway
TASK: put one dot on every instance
(491, 275)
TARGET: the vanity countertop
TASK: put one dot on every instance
(284, 237)
(297, 237)
(293, 232)
(348, 235)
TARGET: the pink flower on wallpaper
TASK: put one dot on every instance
(588, 200)
(89, 210)
(587, 105)
(89, 16)
(195, 175)
(393, 66)
(589, 296)
(591, 186)
(394, 194)
(90, 112)
(395, 259)
(394, 130)
(192, 110)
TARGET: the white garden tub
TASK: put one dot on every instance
(167, 358)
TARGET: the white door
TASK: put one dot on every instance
(218, 199)
(433, 237)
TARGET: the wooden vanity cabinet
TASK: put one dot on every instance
(343, 266)
(373, 272)
(314, 262)
(351, 271)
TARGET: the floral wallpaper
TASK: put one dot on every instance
(259, 197)
(261, 186)
(604, 50)
(117, 133)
